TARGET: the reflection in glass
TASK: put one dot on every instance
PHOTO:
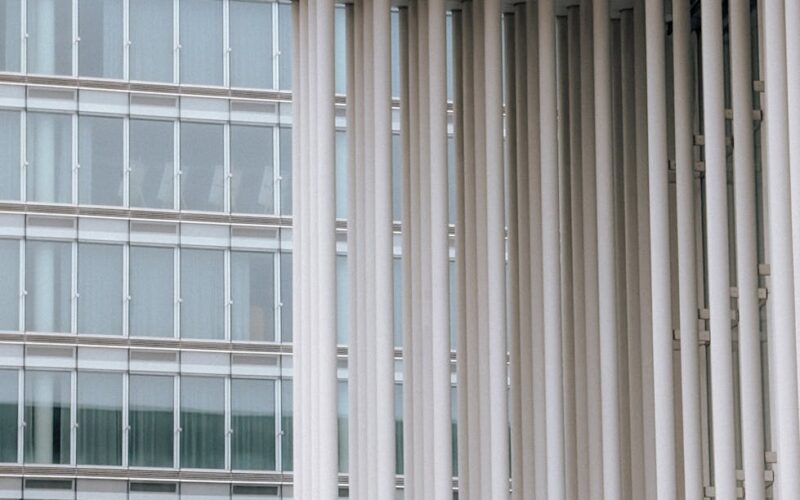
(99, 289)
(398, 428)
(47, 417)
(48, 276)
(152, 44)
(341, 174)
(99, 418)
(49, 156)
(8, 415)
(341, 424)
(286, 170)
(201, 41)
(100, 158)
(100, 32)
(251, 43)
(397, 268)
(49, 41)
(9, 285)
(285, 45)
(9, 152)
(9, 35)
(340, 50)
(152, 163)
(252, 177)
(202, 285)
(342, 306)
(397, 179)
(202, 166)
(253, 296)
(151, 421)
(286, 297)
(202, 423)
(152, 290)
(253, 424)
(287, 426)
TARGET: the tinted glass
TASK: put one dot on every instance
(253, 424)
(101, 42)
(152, 43)
(49, 156)
(47, 417)
(9, 35)
(9, 152)
(101, 159)
(100, 289)
(152, 163)
(202, 294)
(50, 37)
(202, 423)
(99, 418)
(150, 439)
(9, 285)
(202, 182)
(8, 415)
(252, 175)
(152, 291)
(251, 43)
(48, 277)
(253, 296)
(201, 41)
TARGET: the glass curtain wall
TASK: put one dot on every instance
(100, 158)
(100, 294)
(9, 285)
(9, 35)
(201, 45)
(47, 417)
(252, 178)
(101, 41)
(202, 423)
(151, 421)
(152, 163)
(49, 157)
(49, 37)
(152, 43)
(202, 171)
(48, 276)
(99, 432)
(287, 427)
(251, 43)
(202, 294)
(253, 296)
(9, 151)
(152, 291)
(9, 394)
(253, 424)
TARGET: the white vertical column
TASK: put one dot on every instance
(685, 195)
(782, 347)
(659, 251)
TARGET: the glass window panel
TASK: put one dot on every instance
(451, 180)
(100, 158)
(342, 306)
(201, 41)
(252, 175)
(397, 178)
(253, 424)
(202, 293)
(253, 296)
(398, 428)
(9, 153)
(202, 423)
(49, 155)
(9, 381)
(48, 276)
(341, 421)
(453, 305)
(341, 174)
(287, 426)
(152, 163)
(9, 35)
(398, 301)
(152, 290)
(286, 297)
(150, 416)
(251, 43)
(340, 47)
(448, 29)
(47, 417)
(99, 432)
(100, 31)
(100, 289)
(202, 166)
(286, 170)
(151, 420)
(454, 429)
(49, 44)
(152, 42)
(9, 285)
(285, 45)
(395, 19)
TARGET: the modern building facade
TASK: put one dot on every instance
(267, 250)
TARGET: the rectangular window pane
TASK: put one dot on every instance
(341, 421)
(9, 285)
(9, 35)
(398, 428)
(253, 296)
(152, 290)
(47, 417)
(100, 289)
(251, 43)
(451, 180)
(453, 300)
(152, 43)
(99, 418)
(202, 423)
(287, 426)
(252, 177)
(152, 163)
(253, 424)
(201, 41)
(100, 158)
(395, 20)
(9, 152)
(8, 415)
(340, 48)
(50, 37)
(397, 179)
(100, 32)
(342, 305)
(341, 174)
(48, 276)
(49, 155)
(285, 45)
(286, 170)
(202, 294)
(286, 297)
(151, 407)
(397, 264)
(202, 166)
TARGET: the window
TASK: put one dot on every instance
(202, 423)
(395, 63)
(251, 43)
(397, 269)
(285, 45)
(340, 50)
(48, 277)
(398, 428)
(342, 305)
(253, 296)
(453, 304)
(287, 426)
(201, 41)
(202, 166)
(151, 420)
(202, 294)
(99, 433)
(9, 285)
(152, 290)
(50, 37)
(341, 174)
(47, 417)
(252, 177)
(100, 32)
(100, 289)
(152, 43)
(49, 155)
(100, 160)
(286, 170)
(342, 422)
(8, 415)
(9, 150)
(152, 163)
(397, 179)
(253, 424)
(286, 297)
(9, 35)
